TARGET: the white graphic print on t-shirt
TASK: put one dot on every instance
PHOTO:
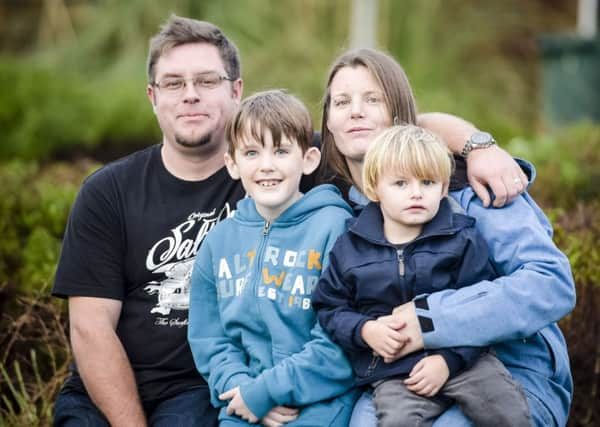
(174, 257)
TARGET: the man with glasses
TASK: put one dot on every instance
(131, 239)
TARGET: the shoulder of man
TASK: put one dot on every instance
(124, 165)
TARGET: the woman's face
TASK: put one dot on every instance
(357, 114)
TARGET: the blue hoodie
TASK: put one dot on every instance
(251, 323)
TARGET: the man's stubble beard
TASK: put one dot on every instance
(192, 143)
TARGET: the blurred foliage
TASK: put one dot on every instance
(79, 85)
(72, 88)
(33, 215)
(34, 360)
(568, 164)
(578, 234)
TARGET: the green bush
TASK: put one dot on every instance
(567, 164)
(578, 234)
(86, 93)
(46, 113)
(567, 187)
(33, 215)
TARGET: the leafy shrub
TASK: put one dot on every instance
(578, 233)
(35, 351)
(567, 163)
(45, 112)
(33, 215)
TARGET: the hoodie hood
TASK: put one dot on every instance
(320, 197)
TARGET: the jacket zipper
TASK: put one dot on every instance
(258, 273)
(372, 365)
(400, 255)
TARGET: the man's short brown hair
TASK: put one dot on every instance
(179, 30)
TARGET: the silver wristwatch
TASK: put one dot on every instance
(476, 141)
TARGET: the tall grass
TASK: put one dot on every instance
(34, 360)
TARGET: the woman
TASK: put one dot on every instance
(368, 91)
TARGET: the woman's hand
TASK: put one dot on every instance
(404, 318)
(495, 168)
(428, 376)
(490, 166)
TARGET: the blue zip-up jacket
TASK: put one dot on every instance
(367, 277)
(251, 323)
(517, 312)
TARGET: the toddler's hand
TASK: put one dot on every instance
(382, 338)
(428, 376)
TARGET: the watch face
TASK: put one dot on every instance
(481, 138)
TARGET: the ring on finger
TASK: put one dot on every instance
(517, 180)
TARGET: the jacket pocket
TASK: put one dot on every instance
(329, 413)
(557, 348)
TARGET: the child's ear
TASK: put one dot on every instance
(312, 158)
(232, 167)
(371, 195)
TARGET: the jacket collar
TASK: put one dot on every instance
(369, 224)
(319, 197)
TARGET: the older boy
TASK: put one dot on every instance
(252, 330)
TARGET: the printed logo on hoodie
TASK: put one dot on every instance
(286, 276)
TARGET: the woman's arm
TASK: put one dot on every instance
(492, 167)
(535, 288)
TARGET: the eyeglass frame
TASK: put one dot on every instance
(180, 90)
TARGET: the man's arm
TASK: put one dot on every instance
(492, 167)
(101, 360)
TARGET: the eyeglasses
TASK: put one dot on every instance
(176, 85)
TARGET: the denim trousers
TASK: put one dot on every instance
(189, 408)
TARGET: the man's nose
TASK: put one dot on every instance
(190, 92)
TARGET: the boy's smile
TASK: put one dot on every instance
(271, 175)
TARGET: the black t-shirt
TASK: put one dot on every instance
(132, 235)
